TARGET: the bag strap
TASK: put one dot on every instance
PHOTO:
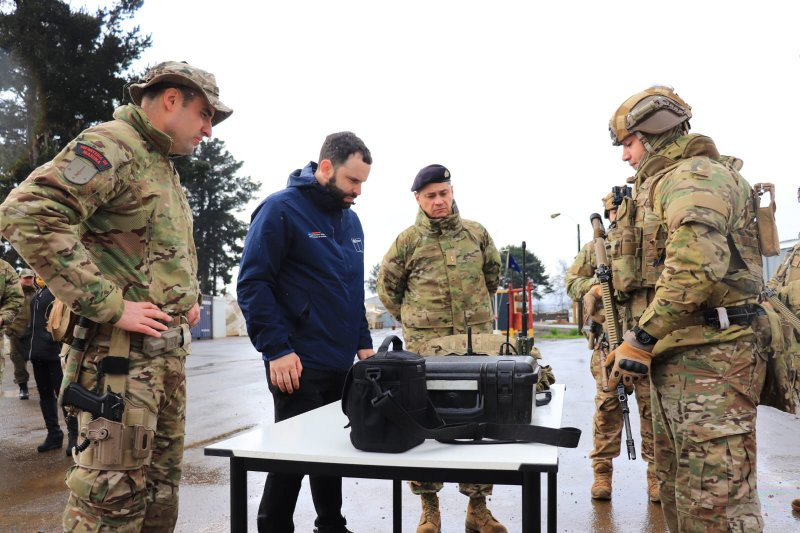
(563, 437)
(397, 344)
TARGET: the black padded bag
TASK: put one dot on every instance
(386, 400)
(400, 374)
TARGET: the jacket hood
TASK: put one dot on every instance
(303, 177)
(305, 180)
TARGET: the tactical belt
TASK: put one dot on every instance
(177, 336)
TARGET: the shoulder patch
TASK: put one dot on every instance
(83, 168)
(700, 167)
(94, 156)
(79, 171)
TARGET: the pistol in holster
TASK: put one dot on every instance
(117, 434)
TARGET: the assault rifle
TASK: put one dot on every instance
(612, 326)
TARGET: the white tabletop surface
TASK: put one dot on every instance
(319, 436)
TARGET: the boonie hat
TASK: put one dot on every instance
(182, 73)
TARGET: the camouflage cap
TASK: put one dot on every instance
(26, 273)
(182, 73)
(654, 110)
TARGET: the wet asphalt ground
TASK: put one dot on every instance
(227, 394)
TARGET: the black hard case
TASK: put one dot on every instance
(482, 388)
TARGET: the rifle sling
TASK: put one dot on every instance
(785, 312)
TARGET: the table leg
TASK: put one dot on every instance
(397, 506)
(238, 496)
(552, 500)
(531, 502)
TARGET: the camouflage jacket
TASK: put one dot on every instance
(711, 256)
(786, 281)
(20, 324)
(440, 273)
(581, 274)
(107, 220)
(11, 298)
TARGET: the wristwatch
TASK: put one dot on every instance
(642, 337)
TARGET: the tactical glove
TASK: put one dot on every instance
(629, 363)
(593, 304)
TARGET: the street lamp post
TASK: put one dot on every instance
(580, 302)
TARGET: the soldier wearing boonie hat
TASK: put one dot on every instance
(132, 272)
(183, 74)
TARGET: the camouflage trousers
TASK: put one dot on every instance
(704, 402)
(473, 490)
(144, 499)
(19, 359)
(414, 338)
(607, 424)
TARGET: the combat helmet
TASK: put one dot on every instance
(652, 111)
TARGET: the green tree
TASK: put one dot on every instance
(533, 267)
(215, 194)
(61, 71)
(372, 280)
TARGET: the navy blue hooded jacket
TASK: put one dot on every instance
(301, 283)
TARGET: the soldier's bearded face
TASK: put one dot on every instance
(632, 150)
(346, 180)
(188, 124)
(436, 199)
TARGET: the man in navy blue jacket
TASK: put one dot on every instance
(301, 290)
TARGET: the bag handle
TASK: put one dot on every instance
(563, 437)
(397, 344)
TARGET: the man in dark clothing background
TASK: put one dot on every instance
(43, 353)
(301, 290)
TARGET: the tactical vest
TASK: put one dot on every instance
(638, 259)
(638, 248)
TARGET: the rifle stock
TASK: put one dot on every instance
(611, 322)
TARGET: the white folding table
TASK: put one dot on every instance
(318, 443)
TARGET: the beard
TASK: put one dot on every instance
(337, 195)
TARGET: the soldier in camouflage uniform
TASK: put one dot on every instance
(607, 425)
(437, 279)
(11, 302)
(786, 283)
(698, 335)
(16, 329)
(107, 225)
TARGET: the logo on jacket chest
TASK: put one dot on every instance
(316, 235)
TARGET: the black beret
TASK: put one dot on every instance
(430, 174)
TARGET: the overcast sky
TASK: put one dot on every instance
(513, 97)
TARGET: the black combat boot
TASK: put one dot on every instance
(53, 441)
(23, 391)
